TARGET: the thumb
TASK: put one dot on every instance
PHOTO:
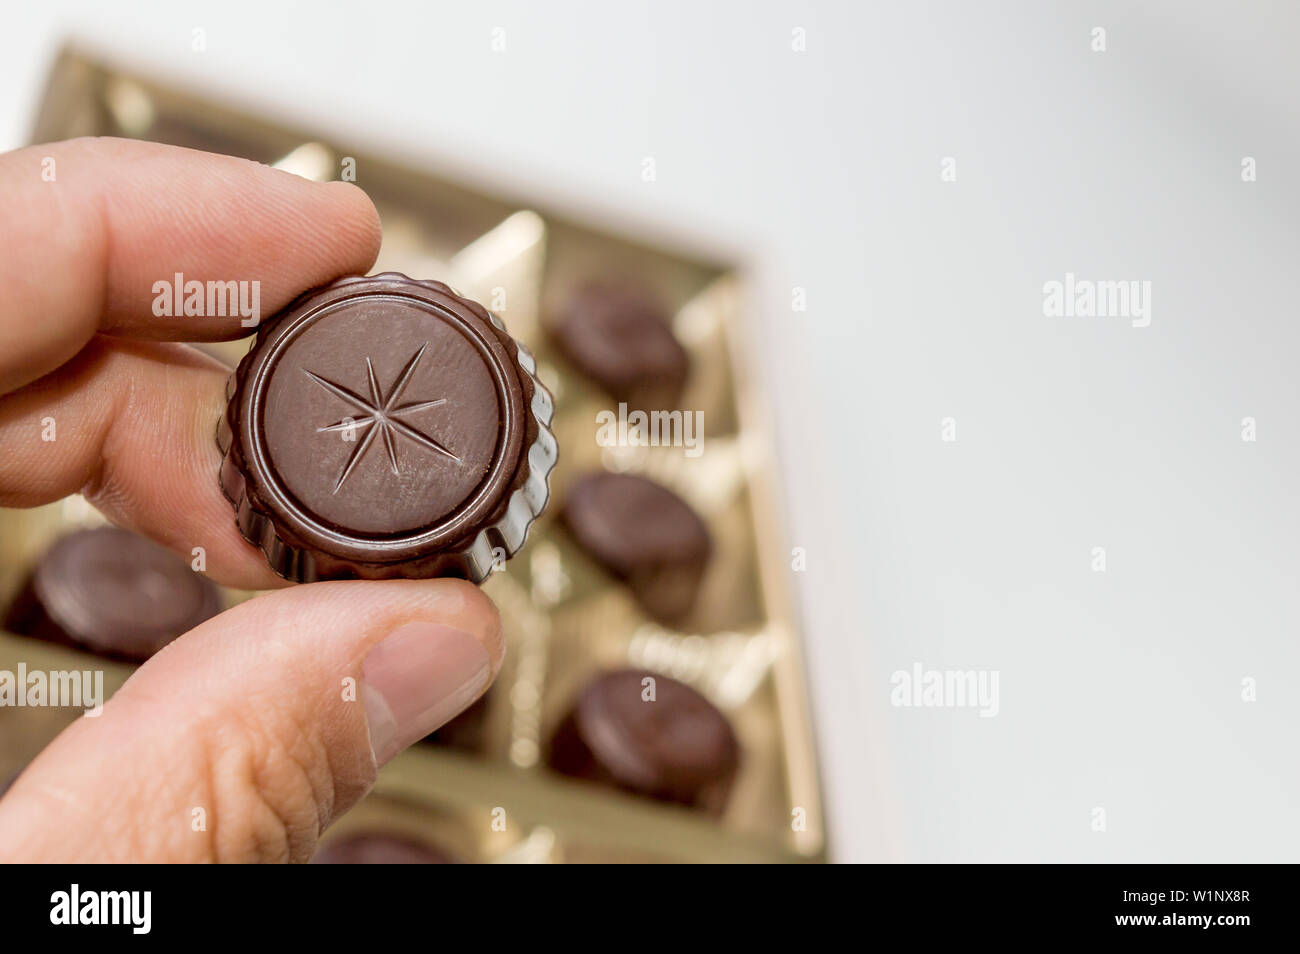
(242, 740)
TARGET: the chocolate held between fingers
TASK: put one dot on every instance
(385, 427)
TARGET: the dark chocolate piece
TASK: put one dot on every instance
(114, 593)
(644, 534)
(677, 748)
(379, 848)
(384, 427)
(618, 335)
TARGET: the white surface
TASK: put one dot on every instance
(1118, 690)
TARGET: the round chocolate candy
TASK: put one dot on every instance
(113, 592)
(671, 744)
(379, 848)
(385, 427)
(645, 535)
(617, 334)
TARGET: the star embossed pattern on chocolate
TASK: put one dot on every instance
(385, 427)
(380, 415)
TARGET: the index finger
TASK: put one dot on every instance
(89, 227)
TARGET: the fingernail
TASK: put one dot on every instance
(418, 678)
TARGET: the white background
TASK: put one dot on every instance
(1119, 690)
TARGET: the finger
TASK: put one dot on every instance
(82, 253)
(132, 425)
(245, 738)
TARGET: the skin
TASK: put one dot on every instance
(242, 716)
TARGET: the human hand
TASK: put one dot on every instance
(248, 716)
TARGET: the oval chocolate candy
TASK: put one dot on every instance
(616, 333)
(645, 535)
(671, 744)
(379, 848)
(385, 427)
(113, 592)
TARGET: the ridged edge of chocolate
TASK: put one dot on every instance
(507, 528)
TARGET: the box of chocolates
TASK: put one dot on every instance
(608, 480)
